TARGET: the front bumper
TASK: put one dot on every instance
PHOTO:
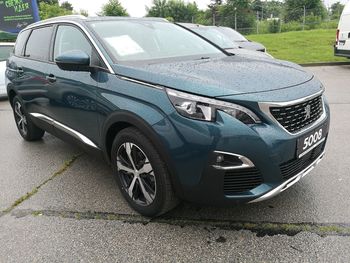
(193, 146)
(285, 185)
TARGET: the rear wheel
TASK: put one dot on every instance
(27, 129)
(141, 174)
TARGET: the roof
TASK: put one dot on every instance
(80, 18)
(191, 25)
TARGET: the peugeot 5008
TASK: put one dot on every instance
(176, 117)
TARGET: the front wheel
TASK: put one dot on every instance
(141, 174)
(27, 129)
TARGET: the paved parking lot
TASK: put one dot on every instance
(60, 204)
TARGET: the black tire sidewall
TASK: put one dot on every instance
(33, 132)
(157, 164)
(15, 100)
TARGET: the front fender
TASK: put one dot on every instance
(122, 119)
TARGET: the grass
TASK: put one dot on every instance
(35, 190)
(301, 47)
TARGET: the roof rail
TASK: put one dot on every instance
(67, 16)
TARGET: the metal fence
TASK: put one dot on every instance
(263, 23)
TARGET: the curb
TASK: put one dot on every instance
(322, 64)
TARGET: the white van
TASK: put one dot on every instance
(342, 45)
(5, 50)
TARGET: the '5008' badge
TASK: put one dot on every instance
(309, 141)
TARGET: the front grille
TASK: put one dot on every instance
(295, 166)
(242, 180)
(295, 117)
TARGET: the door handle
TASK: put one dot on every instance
(51, 78)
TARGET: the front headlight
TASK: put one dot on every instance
(201, 108)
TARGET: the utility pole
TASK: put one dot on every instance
(304, 18)
(257, 22)
(236, 18)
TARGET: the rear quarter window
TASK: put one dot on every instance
(38, 45)
(21, 42)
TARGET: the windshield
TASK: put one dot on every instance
(5, 52)
(215, 36)
(150, 40)
(232, 34)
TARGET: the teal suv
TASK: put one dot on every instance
(175, 116)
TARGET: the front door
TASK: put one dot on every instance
(73, 93)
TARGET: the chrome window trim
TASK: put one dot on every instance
(246, 163)
(58, 22)
(65, 128)
(265, 108)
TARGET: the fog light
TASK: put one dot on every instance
(227, 161)
(219, 158)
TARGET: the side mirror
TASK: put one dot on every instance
(74, 60)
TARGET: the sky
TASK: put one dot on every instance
(136, 8)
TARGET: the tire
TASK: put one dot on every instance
(27, 129)
(150, 190)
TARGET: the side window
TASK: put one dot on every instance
(70, 38)
(20, 43)
(38, 45)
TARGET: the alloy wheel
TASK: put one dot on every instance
(20, 117)
(136, 174)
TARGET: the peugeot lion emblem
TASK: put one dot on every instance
(307, 112)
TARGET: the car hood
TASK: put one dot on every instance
(230, 75)
(251, 45)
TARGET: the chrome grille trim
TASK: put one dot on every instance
(265, 108)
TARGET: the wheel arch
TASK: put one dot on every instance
(123, 119)
(11, 95)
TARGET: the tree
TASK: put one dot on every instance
(242, 9)
(52, 10)
(273, 9)
(295, 9)
(257, 5)
(68, 6)
(204, 17)
(84, 12)
(159, 8)
(50, 2)
(214, 6)
(336, 10)
(113, 8)
(178, 10)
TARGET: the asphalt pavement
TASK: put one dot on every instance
(57, 203)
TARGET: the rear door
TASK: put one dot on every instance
(344, 31)
(27, 70)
